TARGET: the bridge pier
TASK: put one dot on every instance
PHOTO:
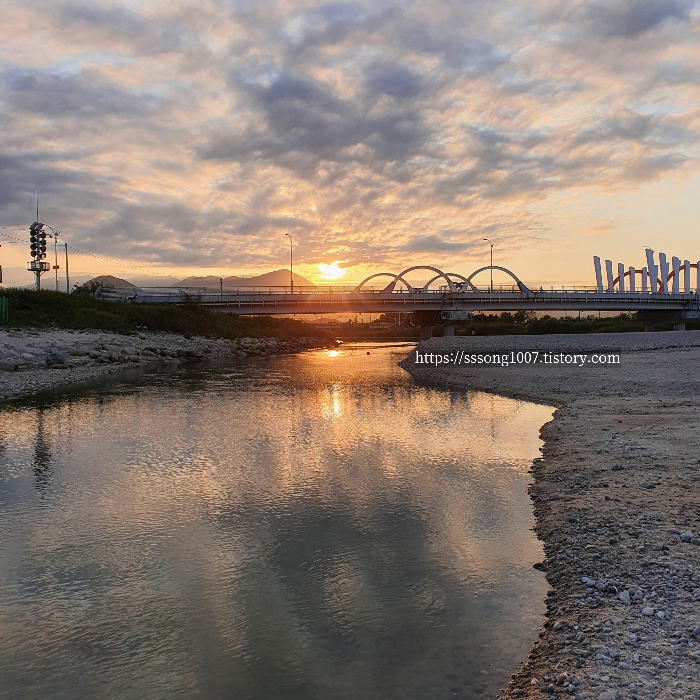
(448, 331)
(649, 327)
(426, 320)
(679, 326)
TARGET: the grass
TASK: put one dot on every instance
(80, 310)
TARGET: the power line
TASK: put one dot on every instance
(77, 250)
(114, 262)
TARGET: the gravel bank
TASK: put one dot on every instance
(617, 504)
(32, 361)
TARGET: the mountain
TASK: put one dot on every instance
(278, 278)
(111, 281)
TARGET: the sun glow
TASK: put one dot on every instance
(330, 272)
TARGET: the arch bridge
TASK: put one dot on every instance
(444, 292)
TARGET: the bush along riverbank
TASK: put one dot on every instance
(35, 360)
(80, 310)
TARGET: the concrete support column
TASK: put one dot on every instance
(426, 332)
(448, 331)
(697, 278)
(679, 326)
(649, 328)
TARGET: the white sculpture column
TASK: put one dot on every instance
(644, 280)
(676, 263)
(608, 270)
(621, 277)
(663, 272)
(686, 276)
(632, 285)
(598, 273)
(653, 271)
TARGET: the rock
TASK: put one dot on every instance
(141, 336)
(7, 366)
(58, 365)
(624, 596)
(111, 348)
(661, 614)
(79, 351)
(648, 611)
(94, 354)
(129, 350)
(695, 632)
(608, 695)
(687, 536)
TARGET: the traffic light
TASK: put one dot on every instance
(37, 241)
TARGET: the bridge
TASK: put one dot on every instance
(450, 294)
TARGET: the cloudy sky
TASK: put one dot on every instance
(188, 137)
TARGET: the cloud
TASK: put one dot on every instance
(630, 19)
(182, 133)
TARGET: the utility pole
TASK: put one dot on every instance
(55, 256)
(67, 279)
(291, 262)
(486, 239)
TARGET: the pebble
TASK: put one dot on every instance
(648, 611)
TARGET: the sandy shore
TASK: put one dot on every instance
(38, 360)
(617, 505)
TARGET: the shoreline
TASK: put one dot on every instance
(614, 505)
(32, 361)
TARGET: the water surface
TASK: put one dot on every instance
(291, 528)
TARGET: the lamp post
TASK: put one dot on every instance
(491, 242)
(291, 262)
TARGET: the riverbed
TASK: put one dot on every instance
(305, 526)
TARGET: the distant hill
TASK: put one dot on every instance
(278, 278)
(110, 281)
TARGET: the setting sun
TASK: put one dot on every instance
(330, 272)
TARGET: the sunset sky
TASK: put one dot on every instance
(187, 138)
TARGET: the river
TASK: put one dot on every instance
(303, 527)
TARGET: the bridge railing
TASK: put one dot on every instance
(181, 293)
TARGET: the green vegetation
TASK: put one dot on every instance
(80, 310)
(525, 323)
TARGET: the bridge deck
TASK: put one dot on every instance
(371, 301)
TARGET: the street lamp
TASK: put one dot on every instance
(491, 242)
(291, 262)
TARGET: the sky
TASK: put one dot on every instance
(182, 138)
